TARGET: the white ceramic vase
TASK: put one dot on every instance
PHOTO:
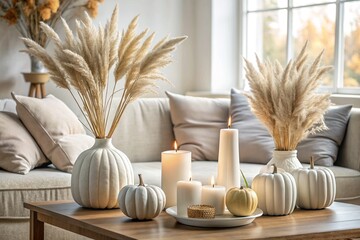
(36, 65)
(285, 160)
(98, 175)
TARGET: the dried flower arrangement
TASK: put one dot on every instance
(286, 101)
(26, 15)
(82, 62)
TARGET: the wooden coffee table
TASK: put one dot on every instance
(340, 220)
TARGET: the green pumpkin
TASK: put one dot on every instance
(241, 201)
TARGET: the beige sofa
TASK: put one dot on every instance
(144, 132)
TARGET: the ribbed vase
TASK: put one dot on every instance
(98, 175)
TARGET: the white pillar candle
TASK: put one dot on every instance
(188, 193)
(175, 166)
(214, 195)
(229, 161)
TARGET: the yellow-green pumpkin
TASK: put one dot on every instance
(241, 201)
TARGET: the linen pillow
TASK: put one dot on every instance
(197, 122)
(55, 128)
(256, 144)
(19, 152)
(324, 146)
(8, 105)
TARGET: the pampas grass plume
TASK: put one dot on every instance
(286, 100)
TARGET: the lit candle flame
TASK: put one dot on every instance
(175, 146)
(212, 181)
(229, 122)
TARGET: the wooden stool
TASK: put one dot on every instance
(37, 83)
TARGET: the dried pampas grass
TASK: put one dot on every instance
(286, 101)
(81, 63)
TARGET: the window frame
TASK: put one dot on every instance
(338, 80)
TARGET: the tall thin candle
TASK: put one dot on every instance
(229, 160)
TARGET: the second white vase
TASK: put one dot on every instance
(286, 160)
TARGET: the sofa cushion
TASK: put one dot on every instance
(197, 122)
(256, 144)
(200, 171)
(324, 146)
(349, 155)
(346, 179)
(145, 130)
(55, 128)
(19, 153)
(347, 187)
(40, 184)
(8, 105)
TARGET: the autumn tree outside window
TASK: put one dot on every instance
(277, 29)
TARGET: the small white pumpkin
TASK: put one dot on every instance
(141, 201)
(316, 187)
(276, 192)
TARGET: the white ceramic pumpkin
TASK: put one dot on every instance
(142, 201)
(98, 175)
(316, 187)
(276, 192)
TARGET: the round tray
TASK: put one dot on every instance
(220, 221)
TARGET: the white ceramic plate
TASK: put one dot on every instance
(220, 221)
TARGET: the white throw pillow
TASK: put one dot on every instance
(197, 122)
(55, 128)
(19, 152)
(8, 105)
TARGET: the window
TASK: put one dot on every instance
(277, 29)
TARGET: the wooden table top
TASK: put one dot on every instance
(339, 220)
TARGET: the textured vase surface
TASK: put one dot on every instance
(286, 160)
(98, 175)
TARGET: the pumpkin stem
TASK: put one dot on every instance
(246, 183)
(141, 181)
(275, 168)
(312, 162)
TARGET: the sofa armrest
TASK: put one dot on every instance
(349, 154)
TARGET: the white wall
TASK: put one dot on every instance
(165, 17)
(225, 45)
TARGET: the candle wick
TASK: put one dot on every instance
(213, 185)
(190, 179)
